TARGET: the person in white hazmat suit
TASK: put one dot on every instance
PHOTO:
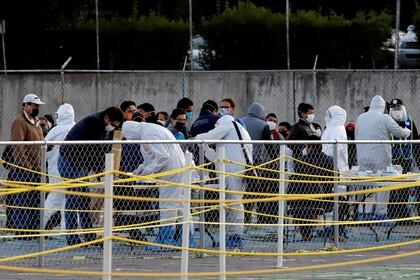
(65, 121)
(225, 130)
(376, 125)
(335, 120)
(159, 158)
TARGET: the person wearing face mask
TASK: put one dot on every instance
(25, 127)
(147, 110)
(228, 107)
(77, 161)
(304, 128)
(402, 154)
(271, 120)
(177, 126)
(284, 128)
(162, 117)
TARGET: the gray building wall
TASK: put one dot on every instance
(278, 91)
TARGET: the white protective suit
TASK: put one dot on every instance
(225, 130)
(335, 130)
(159, 158)
(65, 121)
(376, 125)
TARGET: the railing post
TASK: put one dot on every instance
(201, 196)
(336, 214)
(41, 258)
(280, 228)
(222, 214)
(186, 217)
(108, 205)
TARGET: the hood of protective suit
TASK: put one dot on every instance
(225, 118)
(377, 104)
(65, 115)
(130, 130)
(338, 116)
(256, 110)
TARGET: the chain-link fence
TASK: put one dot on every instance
(154, 200)
(279, 92)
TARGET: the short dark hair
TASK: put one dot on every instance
(184, 103)
(271, 115)
(210, 105)
(163, 113)
(114, 114)
(286, 124)
(176, 112)
(304, 108)
(230, 101)
(147, 107)
(125, 104)
(137, 117)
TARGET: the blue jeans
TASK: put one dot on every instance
(76, 202)
(25, 218)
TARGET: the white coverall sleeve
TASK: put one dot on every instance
(395, 129)
(159, 162)
(217, 133)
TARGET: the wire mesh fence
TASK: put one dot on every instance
(279, 92)
(294, 203)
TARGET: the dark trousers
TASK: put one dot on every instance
(76, 202)
(22, 218)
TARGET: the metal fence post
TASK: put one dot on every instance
(336, 214)
(186, 217)
(222, 214)
(201, 197)
(108, 205)
(41, 258)
(280, 228)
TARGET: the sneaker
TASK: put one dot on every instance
(234, 241)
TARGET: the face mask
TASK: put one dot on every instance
(34, 113)
(161, 122)
(109, 128)
(397, 115)
(189, 116)
(283, 133)
(311, 118)
(179, 126)
(271, 125)
(224, 111)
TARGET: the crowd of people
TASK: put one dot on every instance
(216, 121)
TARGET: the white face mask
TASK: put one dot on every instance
(109, 128)
(271, 125)
(161, 122)
(224, 111)
(311, 118)
(397, 115)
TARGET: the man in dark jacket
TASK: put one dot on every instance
(314, 163)
(258, 129)
(77, 161)
(207, 118)
(304, 128)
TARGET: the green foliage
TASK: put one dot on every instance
(148, 42)
(250, 37)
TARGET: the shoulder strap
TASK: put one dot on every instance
(248, 162)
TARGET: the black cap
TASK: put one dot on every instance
(394, 102)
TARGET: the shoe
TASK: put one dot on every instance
(166, 237)
(234, 241)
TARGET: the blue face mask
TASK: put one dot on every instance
(189, 115)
